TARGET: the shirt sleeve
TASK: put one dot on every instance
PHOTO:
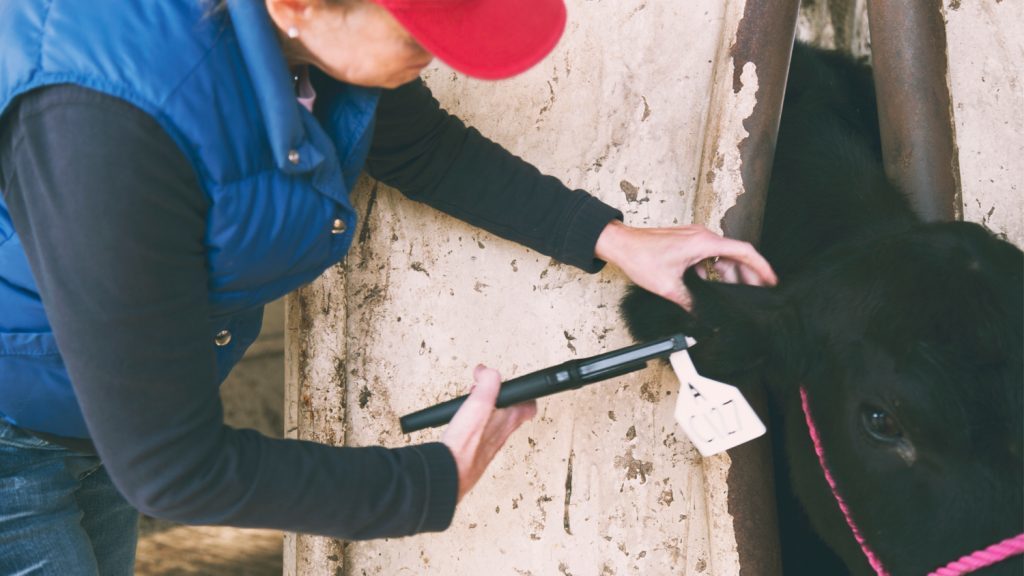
(113, 222)
(432, 157)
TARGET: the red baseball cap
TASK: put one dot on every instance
(487, 39)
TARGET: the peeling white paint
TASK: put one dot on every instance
(722, 181)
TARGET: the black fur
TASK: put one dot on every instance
(876, 312)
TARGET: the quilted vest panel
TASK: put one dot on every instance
(277, 180)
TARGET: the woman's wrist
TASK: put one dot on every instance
(610, 242)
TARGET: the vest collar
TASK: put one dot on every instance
(272, 84)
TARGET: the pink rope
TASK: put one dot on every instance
(820, 451)
(965, 565)
(982, 558)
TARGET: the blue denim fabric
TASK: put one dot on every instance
(60, 513)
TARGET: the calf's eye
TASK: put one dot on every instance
(881, 425)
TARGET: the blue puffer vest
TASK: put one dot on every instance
(277, 179)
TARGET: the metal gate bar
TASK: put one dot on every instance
(738, 154)
(908, 47)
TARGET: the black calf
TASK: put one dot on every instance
(906, 338)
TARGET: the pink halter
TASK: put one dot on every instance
(986, 557)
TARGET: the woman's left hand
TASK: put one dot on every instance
(655, 258)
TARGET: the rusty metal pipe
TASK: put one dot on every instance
(757, 46)
(765, 38)
(908, 48)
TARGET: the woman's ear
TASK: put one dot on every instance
(289, 14)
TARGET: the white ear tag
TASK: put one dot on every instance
(715, 416)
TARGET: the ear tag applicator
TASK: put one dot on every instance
(714, 416)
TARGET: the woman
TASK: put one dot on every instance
(169, 167)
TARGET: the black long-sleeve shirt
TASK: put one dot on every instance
(112, 220)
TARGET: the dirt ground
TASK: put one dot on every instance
(208, 551)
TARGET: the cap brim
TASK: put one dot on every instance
(487, 39)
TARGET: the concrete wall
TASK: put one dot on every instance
(601, 482)
(986, 76)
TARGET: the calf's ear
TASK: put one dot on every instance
(742, 327)
(738, 328)
(649, 316)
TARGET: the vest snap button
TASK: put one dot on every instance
(339, 226)
(223, 338)
(293, 156)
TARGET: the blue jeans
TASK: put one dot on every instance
(59, 512)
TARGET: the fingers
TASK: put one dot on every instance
(758, 273)
(486, 385)
(735, 261)
(683, 299)
(748, 276)
(468, 423)
(484, 395)
(478, 430)
(728, 271)
(680, 295)
(500, 428)
(656, 258)
(732, 272)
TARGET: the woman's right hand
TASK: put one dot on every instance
(656, 258)
(478, 430)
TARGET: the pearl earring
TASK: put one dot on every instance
(293, 32)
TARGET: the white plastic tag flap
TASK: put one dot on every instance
(715, 416)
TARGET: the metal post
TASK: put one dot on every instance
(743, 122)
(908, 47)
(765, 38)
(739, 148)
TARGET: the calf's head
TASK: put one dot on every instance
(908, 349)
